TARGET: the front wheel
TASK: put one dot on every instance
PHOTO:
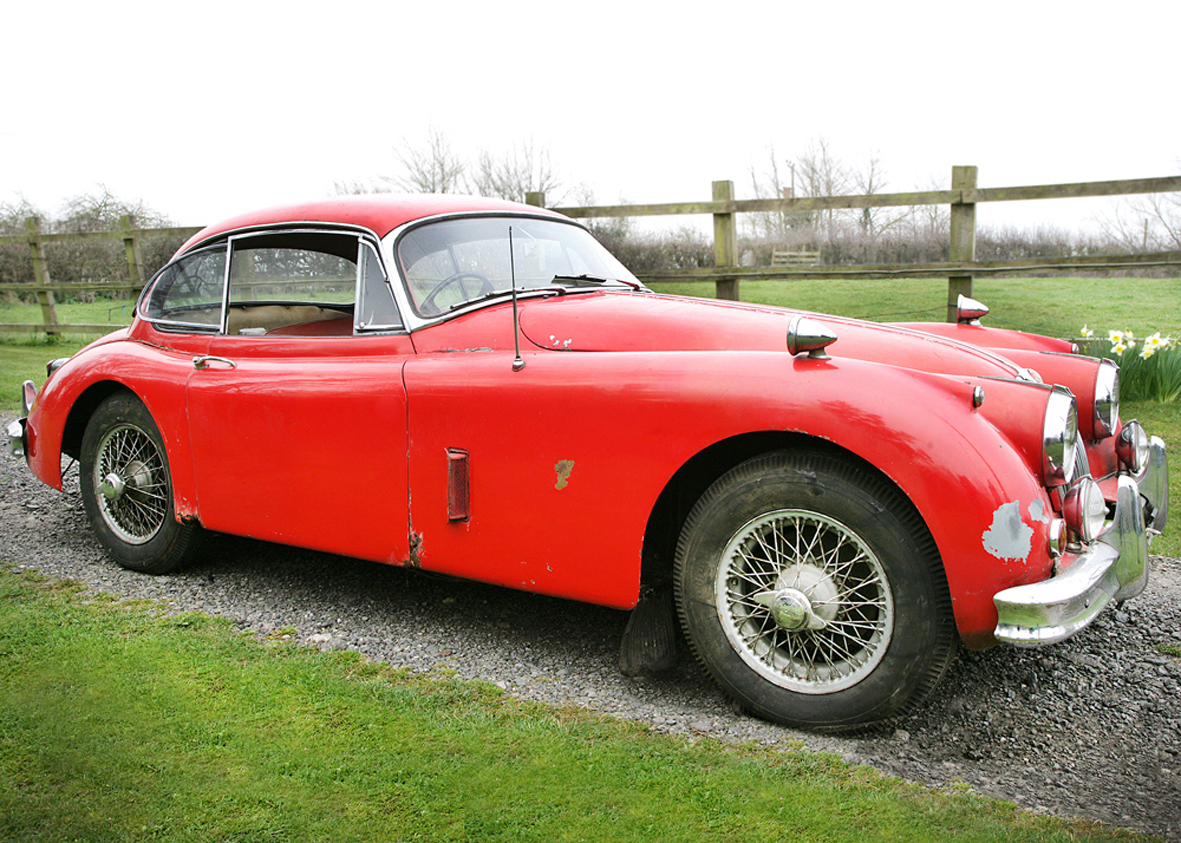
(812, 592)
(127, 489)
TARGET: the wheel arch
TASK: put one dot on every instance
(690, 482)
(125, 481)
(180, 468)
(83, 409)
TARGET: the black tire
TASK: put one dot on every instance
(812, 592)
(127, 489)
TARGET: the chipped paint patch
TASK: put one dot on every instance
(1009, 537)
(1037, 512)
(557, 343)
(564, 467)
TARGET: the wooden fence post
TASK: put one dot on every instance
(135, 258)
(535, 198)
(41, 275)
(963, 237)
(725, 241)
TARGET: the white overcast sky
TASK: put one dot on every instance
(207, 109)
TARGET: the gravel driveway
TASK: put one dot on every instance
(1090, 727)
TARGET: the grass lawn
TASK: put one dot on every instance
(1058, 307)
(120, 722)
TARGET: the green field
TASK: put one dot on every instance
(121, 722)
(1058, 307)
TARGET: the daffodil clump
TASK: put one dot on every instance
(1150, 368)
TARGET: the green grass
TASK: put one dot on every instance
(121, 722)
(1059, 307)
(115, 312)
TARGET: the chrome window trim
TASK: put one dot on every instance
(176, 326)
(226, 241)
(374, 246)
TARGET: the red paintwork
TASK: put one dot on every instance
(341, 444)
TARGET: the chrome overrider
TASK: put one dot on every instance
(1113, 567)
(17, 445)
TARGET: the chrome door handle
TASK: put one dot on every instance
(205, 361)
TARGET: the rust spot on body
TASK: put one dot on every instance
(415, 559)
(563, 468)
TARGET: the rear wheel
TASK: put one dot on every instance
(810, 589)
(127, 489)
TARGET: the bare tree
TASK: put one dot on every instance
(102, 211)
(432, 168)
(818, 173)
(357, 186)
(520, 171)
(14, 214)
(777, 226)
(1146, 223)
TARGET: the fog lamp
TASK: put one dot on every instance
(1085, 510)
(1132, 446)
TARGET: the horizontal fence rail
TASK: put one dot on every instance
(959, 270)
(972, 196)
(726, 274)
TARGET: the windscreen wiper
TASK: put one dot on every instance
(496, 294)
(586, 278)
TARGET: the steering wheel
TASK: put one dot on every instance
(460, 280)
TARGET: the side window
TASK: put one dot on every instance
(378, 312)
(188, 293)
(296, 283)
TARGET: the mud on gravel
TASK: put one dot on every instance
(1090, 727)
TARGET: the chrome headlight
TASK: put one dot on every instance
(1106, 399)
(1059, 435)
(1085, 510)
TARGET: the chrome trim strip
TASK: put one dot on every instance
(1115, 567)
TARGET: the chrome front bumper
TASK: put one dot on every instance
(1114, 567)
(16, 438)
(18, 443)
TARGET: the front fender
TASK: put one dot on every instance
(978, 491)
(157, 376)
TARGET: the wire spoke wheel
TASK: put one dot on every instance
(804, 601)
(127, 489)
(130, 484)
(811, 590)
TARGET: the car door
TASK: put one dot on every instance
(530, 478)
(297, 411)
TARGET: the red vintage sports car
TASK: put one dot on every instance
(477, 388)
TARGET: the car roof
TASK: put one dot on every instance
(380, 213)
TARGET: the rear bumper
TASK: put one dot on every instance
(1114, 567)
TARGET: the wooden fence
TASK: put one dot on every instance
(726, 274)
(44, 288)
(963, 197)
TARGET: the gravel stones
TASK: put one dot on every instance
(1090, 727)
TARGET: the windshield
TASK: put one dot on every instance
(451, 262)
